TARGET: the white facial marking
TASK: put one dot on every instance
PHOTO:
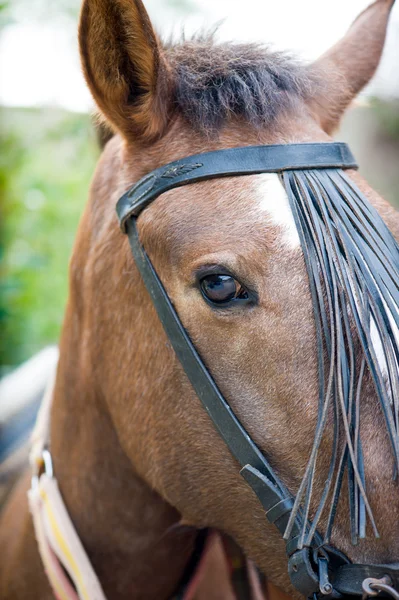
(273, 200)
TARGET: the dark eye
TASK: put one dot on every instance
(222, 289)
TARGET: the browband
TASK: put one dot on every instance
(248, 160)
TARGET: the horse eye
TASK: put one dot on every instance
(222, 289)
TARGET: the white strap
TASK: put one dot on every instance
(59, 545)
(55, 530)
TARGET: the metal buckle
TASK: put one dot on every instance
(43, 465)
(324, 583)
(372, 587)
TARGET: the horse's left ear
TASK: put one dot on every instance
(349, 65)
(125, 68)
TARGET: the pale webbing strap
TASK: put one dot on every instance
(61, 550)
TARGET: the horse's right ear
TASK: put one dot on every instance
(124, 67)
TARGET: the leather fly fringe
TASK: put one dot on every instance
(352, 261)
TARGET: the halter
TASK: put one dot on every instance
(316, 569)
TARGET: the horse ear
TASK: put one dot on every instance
(124, 67)
(349, 65)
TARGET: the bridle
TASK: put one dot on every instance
(316, 569)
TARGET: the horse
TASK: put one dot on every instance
(140, 466)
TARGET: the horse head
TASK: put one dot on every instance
(145, 454)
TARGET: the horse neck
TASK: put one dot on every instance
(128, 531)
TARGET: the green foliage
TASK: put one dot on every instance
(46, 161)
(5, 17)
(388, 116)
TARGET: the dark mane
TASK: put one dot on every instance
(217, 81)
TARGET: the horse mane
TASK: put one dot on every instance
(214, 82)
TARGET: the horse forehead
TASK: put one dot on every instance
(249, 213)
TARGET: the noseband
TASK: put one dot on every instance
(316, 569)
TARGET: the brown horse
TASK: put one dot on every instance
(139, 464)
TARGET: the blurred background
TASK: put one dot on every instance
(48, 147)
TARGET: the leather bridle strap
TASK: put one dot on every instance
(255, 468)
(309, 568)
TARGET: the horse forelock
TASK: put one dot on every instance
(215, 82)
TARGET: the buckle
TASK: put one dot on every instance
(373, 587)
(43, 464)
(324, 583)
